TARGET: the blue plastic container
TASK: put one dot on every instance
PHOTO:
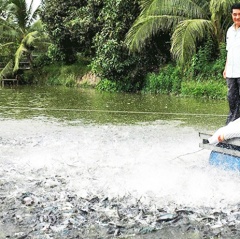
(224, 161)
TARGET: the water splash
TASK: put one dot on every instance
(159, 161)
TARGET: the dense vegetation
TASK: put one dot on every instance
(157, 46)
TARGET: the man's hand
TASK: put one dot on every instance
(224, 74)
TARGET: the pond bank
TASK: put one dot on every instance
(167, 81)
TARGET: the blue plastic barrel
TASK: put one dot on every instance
(224, 161)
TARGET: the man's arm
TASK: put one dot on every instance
(225, 69)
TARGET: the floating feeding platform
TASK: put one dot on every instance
(225, 154)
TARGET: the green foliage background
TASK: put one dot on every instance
(201, 78)
(90, 35)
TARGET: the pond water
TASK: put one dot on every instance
(144, 135)
(116, 144)
(90, 106)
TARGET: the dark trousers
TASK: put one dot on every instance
(233, 98)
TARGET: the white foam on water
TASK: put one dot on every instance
(159, 161)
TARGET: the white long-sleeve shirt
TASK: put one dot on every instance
(233, 52)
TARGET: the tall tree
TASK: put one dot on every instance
(189, 21)
(3, 6)
(20, 30)
(72, 26)
(59, 16)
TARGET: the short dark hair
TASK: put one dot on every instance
(235, 6)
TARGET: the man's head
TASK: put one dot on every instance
(235, 10)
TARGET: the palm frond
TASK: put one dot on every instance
(9, 30)
(144, 28)
(30, 8)
(8, 69)
(6, 44)
(146, 4)
(184, 8)
(6, 25)
(37, 26)
(220, 11)
(23, 15)
(221, 6)
(186, 36)
(27, 42)
(18, 56)
(30, 38)
(163, 15)
(35, 14)
(19, 7)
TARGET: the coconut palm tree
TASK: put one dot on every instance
(3, 4)
(21, 27)
(189, 22)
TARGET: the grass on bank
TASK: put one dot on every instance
(57, 74)
(171, 80)
(208, 89)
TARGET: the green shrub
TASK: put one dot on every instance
(207, 65)
(107, 85)
(55, 54)
(167, 81)
(28, 77)
(219, 64)
(41, 60)
(208, 89)
(117, 86)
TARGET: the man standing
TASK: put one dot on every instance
(232, 67)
